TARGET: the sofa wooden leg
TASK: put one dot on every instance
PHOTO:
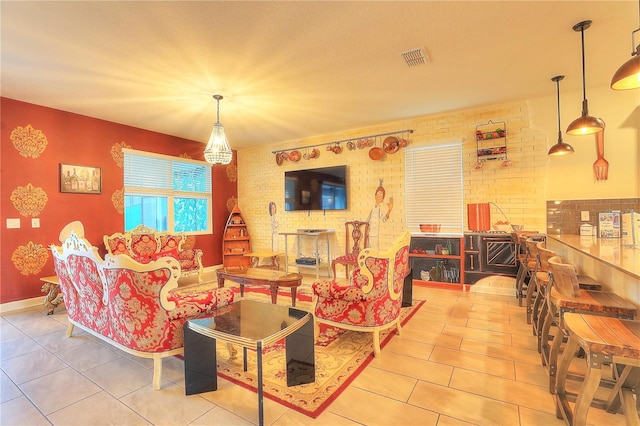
(399, 327)
(157, 372)
(69, 330)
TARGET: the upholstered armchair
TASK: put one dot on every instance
(371, 301)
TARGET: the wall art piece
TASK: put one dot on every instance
(117, 199)
(28, 141)
(117, 154)
(80, 179)
(29, 200)
(30, 258)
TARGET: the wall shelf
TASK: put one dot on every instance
(491, 141)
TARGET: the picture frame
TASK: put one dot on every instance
(80, 179)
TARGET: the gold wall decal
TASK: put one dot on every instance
(29, 200)
(117, 154)
(28, 141)
(232, 172)
(185, 155)
(30, 259)
(117, 198)
(231, 203)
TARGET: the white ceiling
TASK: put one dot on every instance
(289, 70)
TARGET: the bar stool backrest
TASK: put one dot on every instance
(532, 251)
(564, 277)
(544, 254)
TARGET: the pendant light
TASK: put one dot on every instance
(559, 148)
(628, 75)
(585, 124)
(218, 150)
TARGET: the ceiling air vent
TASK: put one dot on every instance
(414, 57)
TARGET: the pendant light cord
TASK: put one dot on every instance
(558, 97)
(584, 76)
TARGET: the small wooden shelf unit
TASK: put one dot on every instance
(236, 241)
(425, 261)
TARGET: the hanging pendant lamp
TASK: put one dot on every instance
(628, 75)
(585, 124)
(218, 150)
(560, 148)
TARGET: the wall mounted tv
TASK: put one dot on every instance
(324, 188)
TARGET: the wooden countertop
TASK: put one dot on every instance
(607, 250)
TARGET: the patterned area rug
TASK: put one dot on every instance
(340, 356)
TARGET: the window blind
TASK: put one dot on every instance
(434, 187)
(165, 173)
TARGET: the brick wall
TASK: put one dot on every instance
(518, 189)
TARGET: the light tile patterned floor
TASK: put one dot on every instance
(465, 358)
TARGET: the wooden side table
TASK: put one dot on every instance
(51, 286)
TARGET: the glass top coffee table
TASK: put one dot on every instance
(261, 277)
(249, 324)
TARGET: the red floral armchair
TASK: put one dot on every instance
(372, 300)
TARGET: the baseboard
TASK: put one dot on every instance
(21, 304)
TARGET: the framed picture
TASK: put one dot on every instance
(80, 179)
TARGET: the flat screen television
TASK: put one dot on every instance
(323, 188)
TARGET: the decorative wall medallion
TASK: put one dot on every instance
(231, 203)
(117, 199)
(28, 141)
(30, 259)
(117, 154)
(232, 172)
(29, 200)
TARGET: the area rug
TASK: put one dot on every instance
(340, 357)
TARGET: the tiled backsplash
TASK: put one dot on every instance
(563, 216)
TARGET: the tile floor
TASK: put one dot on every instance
(464, 358)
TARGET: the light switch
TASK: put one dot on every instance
(35, 222)
(13, 223)
(584, 215)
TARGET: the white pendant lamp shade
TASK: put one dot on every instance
(218, 150)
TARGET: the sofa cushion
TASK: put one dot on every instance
(194, 299)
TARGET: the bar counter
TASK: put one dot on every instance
(615, 266)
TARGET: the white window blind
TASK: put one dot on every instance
(434, 187)
(167, 193)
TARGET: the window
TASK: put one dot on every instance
(166, 193)
(434, 187)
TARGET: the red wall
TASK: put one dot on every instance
(85, 141)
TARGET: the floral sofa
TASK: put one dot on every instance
(135, 307)
(145, 244)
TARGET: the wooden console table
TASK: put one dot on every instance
(53, 298)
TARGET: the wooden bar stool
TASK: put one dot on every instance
(542, 280)
(604, 340)
(564, 296)
(526, 265)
